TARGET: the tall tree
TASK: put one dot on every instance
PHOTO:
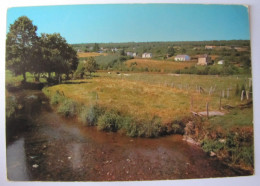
(57, 55)
(90, 65)
(96, 47)
(170, 51)
(21, 45)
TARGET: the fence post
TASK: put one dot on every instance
(96, 97)
(247, 95)
(242, 95)
(207, 109)
(220, 103)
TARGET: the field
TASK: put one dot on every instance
(90, 54)
(144, 96)
(154, 65)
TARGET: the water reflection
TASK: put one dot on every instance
(16, 164)
(75, 155)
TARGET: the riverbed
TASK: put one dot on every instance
(43, 146)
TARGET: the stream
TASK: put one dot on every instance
(48, 147)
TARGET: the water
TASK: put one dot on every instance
(53, 148)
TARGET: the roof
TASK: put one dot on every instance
(203, 56)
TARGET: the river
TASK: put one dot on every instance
(47, 147)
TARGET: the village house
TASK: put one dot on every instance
(114, 49)
(182, 58)
(221, 62)
(204, 60)
(147, 55)
(131, 54)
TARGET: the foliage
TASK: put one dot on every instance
(57, 55)
(11, 105)
(21, 47)
(89, 115)
(67, 108)
(170, 51)
(90, 65)
(110, 121)
(96, 47)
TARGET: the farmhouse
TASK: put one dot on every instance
(147, 55)
(182, 58)
(204, 60)
(221, 62)
(131, 54)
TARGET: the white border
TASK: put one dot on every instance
(254, 6)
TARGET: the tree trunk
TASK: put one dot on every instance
(24, 77)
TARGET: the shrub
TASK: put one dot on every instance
(150, 128)
(57, 98)
(209, 145)
(110, 121)
(90, 115)
(11, 105)
(68, 108)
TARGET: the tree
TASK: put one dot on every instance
(90, 65)
(57, 55)
(170, 51)
(96, 47)
(21, 45)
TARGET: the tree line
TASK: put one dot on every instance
(48, 54)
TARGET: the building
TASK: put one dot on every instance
(147, 55)
(131, 54)
(182, 58)
(221, 62)
(204, 60)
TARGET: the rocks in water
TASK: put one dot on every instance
(212, 154)
(35, 166)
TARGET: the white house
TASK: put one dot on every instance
(131, 54)
(182, 58)
(221, 62)
(147, 55)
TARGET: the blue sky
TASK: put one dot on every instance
(138, 22)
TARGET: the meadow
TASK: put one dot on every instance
(157, 65)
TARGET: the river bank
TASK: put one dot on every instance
(87, 154)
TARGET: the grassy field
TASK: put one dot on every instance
(143, 95)
(90, 54)
(155, 65)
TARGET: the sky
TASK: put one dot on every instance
(138, 22)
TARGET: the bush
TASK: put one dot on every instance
(209, 145)
(57, 98)
(150, 128)
(90, 115)
(11, 105)
(110, 121)
(68, 108)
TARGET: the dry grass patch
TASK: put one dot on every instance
(137, 99)
(90, 54)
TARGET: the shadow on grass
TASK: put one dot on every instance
(75, 82)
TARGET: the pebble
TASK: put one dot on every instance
(69, 157)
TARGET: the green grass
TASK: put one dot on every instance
(235, 118)
(10, 79)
